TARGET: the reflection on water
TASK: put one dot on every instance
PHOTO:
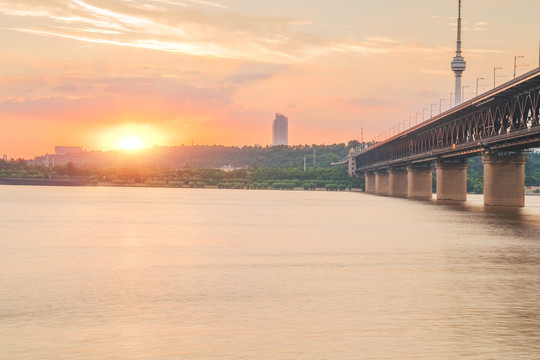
(109, 273)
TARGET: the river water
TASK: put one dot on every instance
(144, 273)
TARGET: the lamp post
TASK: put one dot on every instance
(440, 105)
(515, 63)
(463, 91)
(495, 74)
(432, 105)
(480, 78)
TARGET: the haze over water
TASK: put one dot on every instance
(146, 273)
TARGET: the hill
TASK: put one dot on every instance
(177, 157)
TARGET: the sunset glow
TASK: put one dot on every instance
(131, 142)
(216, 72)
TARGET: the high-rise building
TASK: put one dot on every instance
(280, 130)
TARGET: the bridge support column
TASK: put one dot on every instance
(370, 182)
(351, 170)
(351, 166)
(381, 182)
(420, 182)
(397, 182)
(504, 179)
(452, 180)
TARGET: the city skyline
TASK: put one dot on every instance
(104, 75)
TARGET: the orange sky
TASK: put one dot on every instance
(90, 72)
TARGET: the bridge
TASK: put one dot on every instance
(498, 125)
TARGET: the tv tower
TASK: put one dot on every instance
(458, 64)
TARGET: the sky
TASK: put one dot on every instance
(94, 73)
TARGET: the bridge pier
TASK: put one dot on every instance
(381, 182)
(370, 182)
(351, 165)
(397, 182)
(452, 180)
(420, 182)
(504, 179)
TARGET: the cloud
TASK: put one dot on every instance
(189, 27)
(189, 2)
(42, 108)
(370, 102)
(479, 26)
(148, 99)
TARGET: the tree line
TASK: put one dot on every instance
(261, 177)
(329, 178)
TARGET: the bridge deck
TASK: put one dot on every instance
(506, 118)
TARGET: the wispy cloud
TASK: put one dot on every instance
(184, 27)
(152, 99)
(188, 2)
(480, 26)
(370, 102)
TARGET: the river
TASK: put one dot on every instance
(151, 273)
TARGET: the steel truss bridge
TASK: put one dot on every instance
(504, 119)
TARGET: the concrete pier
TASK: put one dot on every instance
(420, 182)
(351, 165)
(504, 179)
(397, 182)
(381, 182)
(452, 180)
(370, 182)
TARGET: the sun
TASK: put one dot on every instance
(131, 142)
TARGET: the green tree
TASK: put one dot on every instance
(71, 169)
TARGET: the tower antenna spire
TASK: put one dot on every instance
(458, 50)
(458, 63)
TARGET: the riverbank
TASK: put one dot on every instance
(87, 182)
(44, 182)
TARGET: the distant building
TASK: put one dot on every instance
(5, 158)
(228, 168)
(62, 155)
(280, 130)
(44, 160)
(67, 150)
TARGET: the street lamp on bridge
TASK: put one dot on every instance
(480, 78)
(495, 74)
(463, 91)
(515, 63)
(431, 114)
(440, 105)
